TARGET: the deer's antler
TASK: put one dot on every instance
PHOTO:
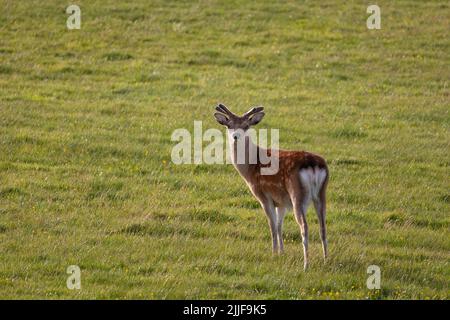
(253, 111)
(221, 108)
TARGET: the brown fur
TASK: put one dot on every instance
(281, 190)
(281, 184)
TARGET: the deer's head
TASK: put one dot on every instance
(237, 126)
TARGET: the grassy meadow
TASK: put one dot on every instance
(86, 177)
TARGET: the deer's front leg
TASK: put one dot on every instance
(281, 212)
(269, 209)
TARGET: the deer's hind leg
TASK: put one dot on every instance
(300, 208)
(301, 198)
(320, 206)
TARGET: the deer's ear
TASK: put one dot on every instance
(222, 119)
(256, 118)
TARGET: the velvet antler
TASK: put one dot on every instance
(253, 111)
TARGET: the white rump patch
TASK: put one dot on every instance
(312, 180)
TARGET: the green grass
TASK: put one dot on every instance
(86, 118)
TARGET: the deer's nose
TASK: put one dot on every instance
(236, 135)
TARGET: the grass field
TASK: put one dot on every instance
(86, 176)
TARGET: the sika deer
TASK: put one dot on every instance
(301, 177)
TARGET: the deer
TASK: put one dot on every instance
(301, 177)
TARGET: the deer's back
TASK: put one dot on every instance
(297, 169)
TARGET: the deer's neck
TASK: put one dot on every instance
(243, 157)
